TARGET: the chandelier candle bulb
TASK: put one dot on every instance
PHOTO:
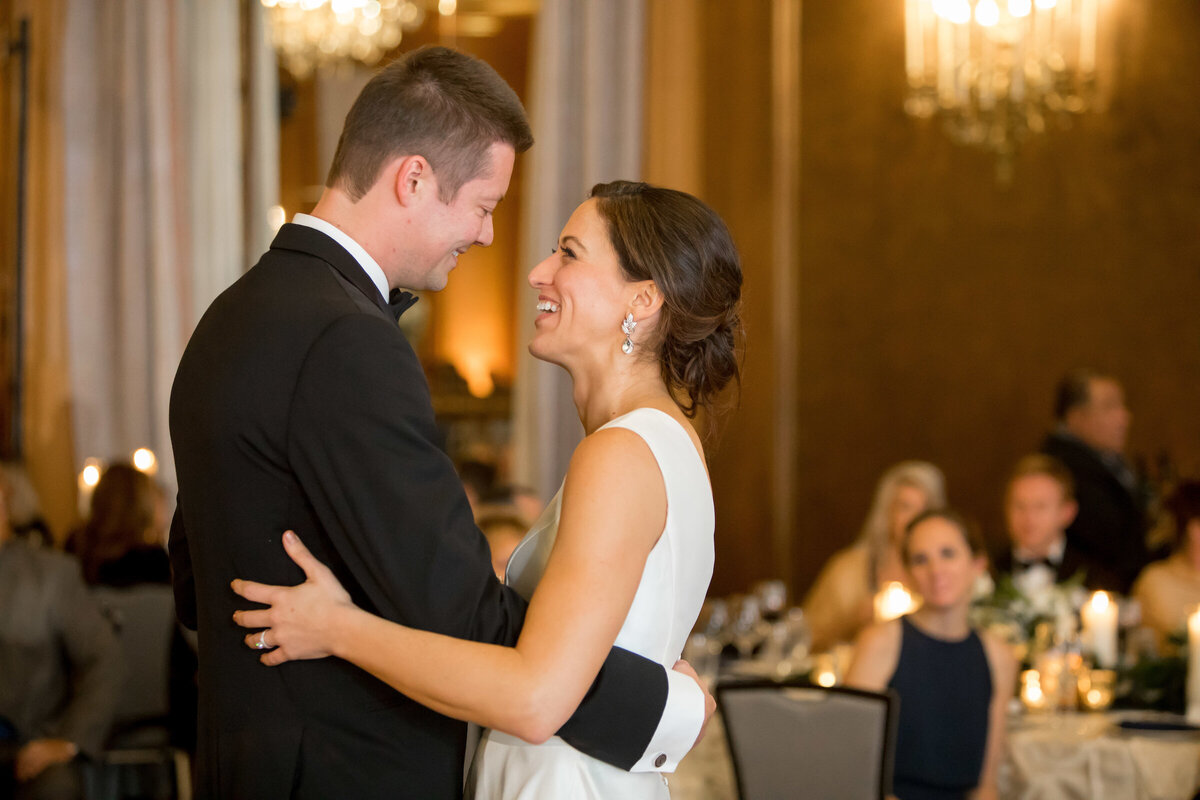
(1099, 617)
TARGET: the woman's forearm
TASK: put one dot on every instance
(494, 686)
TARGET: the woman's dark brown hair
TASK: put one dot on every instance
(681, 244)
(123, 510)
(966, 526)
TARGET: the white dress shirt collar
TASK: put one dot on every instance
(1054, 554)
(368, 264)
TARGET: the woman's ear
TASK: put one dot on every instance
(647, 300)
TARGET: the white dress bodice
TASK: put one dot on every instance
(664, 609)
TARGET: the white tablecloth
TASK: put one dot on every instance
(1086, 757)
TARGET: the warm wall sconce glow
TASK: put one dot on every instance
(145, 461)
(90, 475)
(477, 371)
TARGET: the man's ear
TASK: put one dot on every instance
(646, 301)
(413, 179)
(1067, 513)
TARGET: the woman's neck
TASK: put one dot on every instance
(943, 623)
(602, 395)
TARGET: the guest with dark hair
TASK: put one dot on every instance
(954, 683)
(121, 547)
(1092, 426)
(1169, 590)
(60, 669)
(121, 543)
(1039, 504)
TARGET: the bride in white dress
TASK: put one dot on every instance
(639, 303)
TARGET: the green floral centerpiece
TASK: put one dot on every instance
(1032, 613)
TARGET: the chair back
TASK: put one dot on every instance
(144, 619)
(792, 739)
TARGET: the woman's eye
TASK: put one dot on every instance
(568, 252)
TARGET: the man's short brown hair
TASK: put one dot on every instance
(1051, 467)
(438, 103)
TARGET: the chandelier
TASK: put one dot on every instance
(997, 70)
(309, 33)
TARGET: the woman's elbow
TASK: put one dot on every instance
(540, 716)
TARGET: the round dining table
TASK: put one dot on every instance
(1100, 756)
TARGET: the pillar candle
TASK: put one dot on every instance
(1193, 677)
(1100, 629)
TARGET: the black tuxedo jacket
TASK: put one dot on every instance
(1110, 528)
(299, 404)
(1096, 576)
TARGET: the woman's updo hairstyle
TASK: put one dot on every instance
(681, 244)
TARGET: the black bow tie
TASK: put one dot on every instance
(1033, 562)
(399, 302)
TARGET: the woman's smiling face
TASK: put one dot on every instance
(941, 563)
(583, 294)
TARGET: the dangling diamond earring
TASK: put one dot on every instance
(627, 328)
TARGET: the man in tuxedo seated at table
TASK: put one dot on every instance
(1039, 505)
(1093, 423)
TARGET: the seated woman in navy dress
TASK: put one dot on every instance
(954, 683)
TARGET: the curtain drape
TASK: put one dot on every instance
(586, 110)
(170, 175)
(153, 164)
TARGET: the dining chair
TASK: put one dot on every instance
(791, 739)
(138, 760)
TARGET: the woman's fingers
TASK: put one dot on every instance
(254, 618)
(258, 640)
(274, 658)
(301, 555)
(255, 592)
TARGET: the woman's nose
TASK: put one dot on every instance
(543, 273)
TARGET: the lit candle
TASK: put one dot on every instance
(1032, 696)
(824, 670)
(1096, 688)
(1193, 678)
(1100, 629)
(893, 601)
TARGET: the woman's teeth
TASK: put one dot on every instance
(546, 305)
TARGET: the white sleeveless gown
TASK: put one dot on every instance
(663, 612)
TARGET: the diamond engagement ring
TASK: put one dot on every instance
(261, 644)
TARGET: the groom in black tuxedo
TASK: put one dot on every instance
(298, 404)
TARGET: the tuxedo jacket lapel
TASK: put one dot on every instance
(303, 239)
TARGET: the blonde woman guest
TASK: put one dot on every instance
(841, 602)
(1169, 590)
(954, 683)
